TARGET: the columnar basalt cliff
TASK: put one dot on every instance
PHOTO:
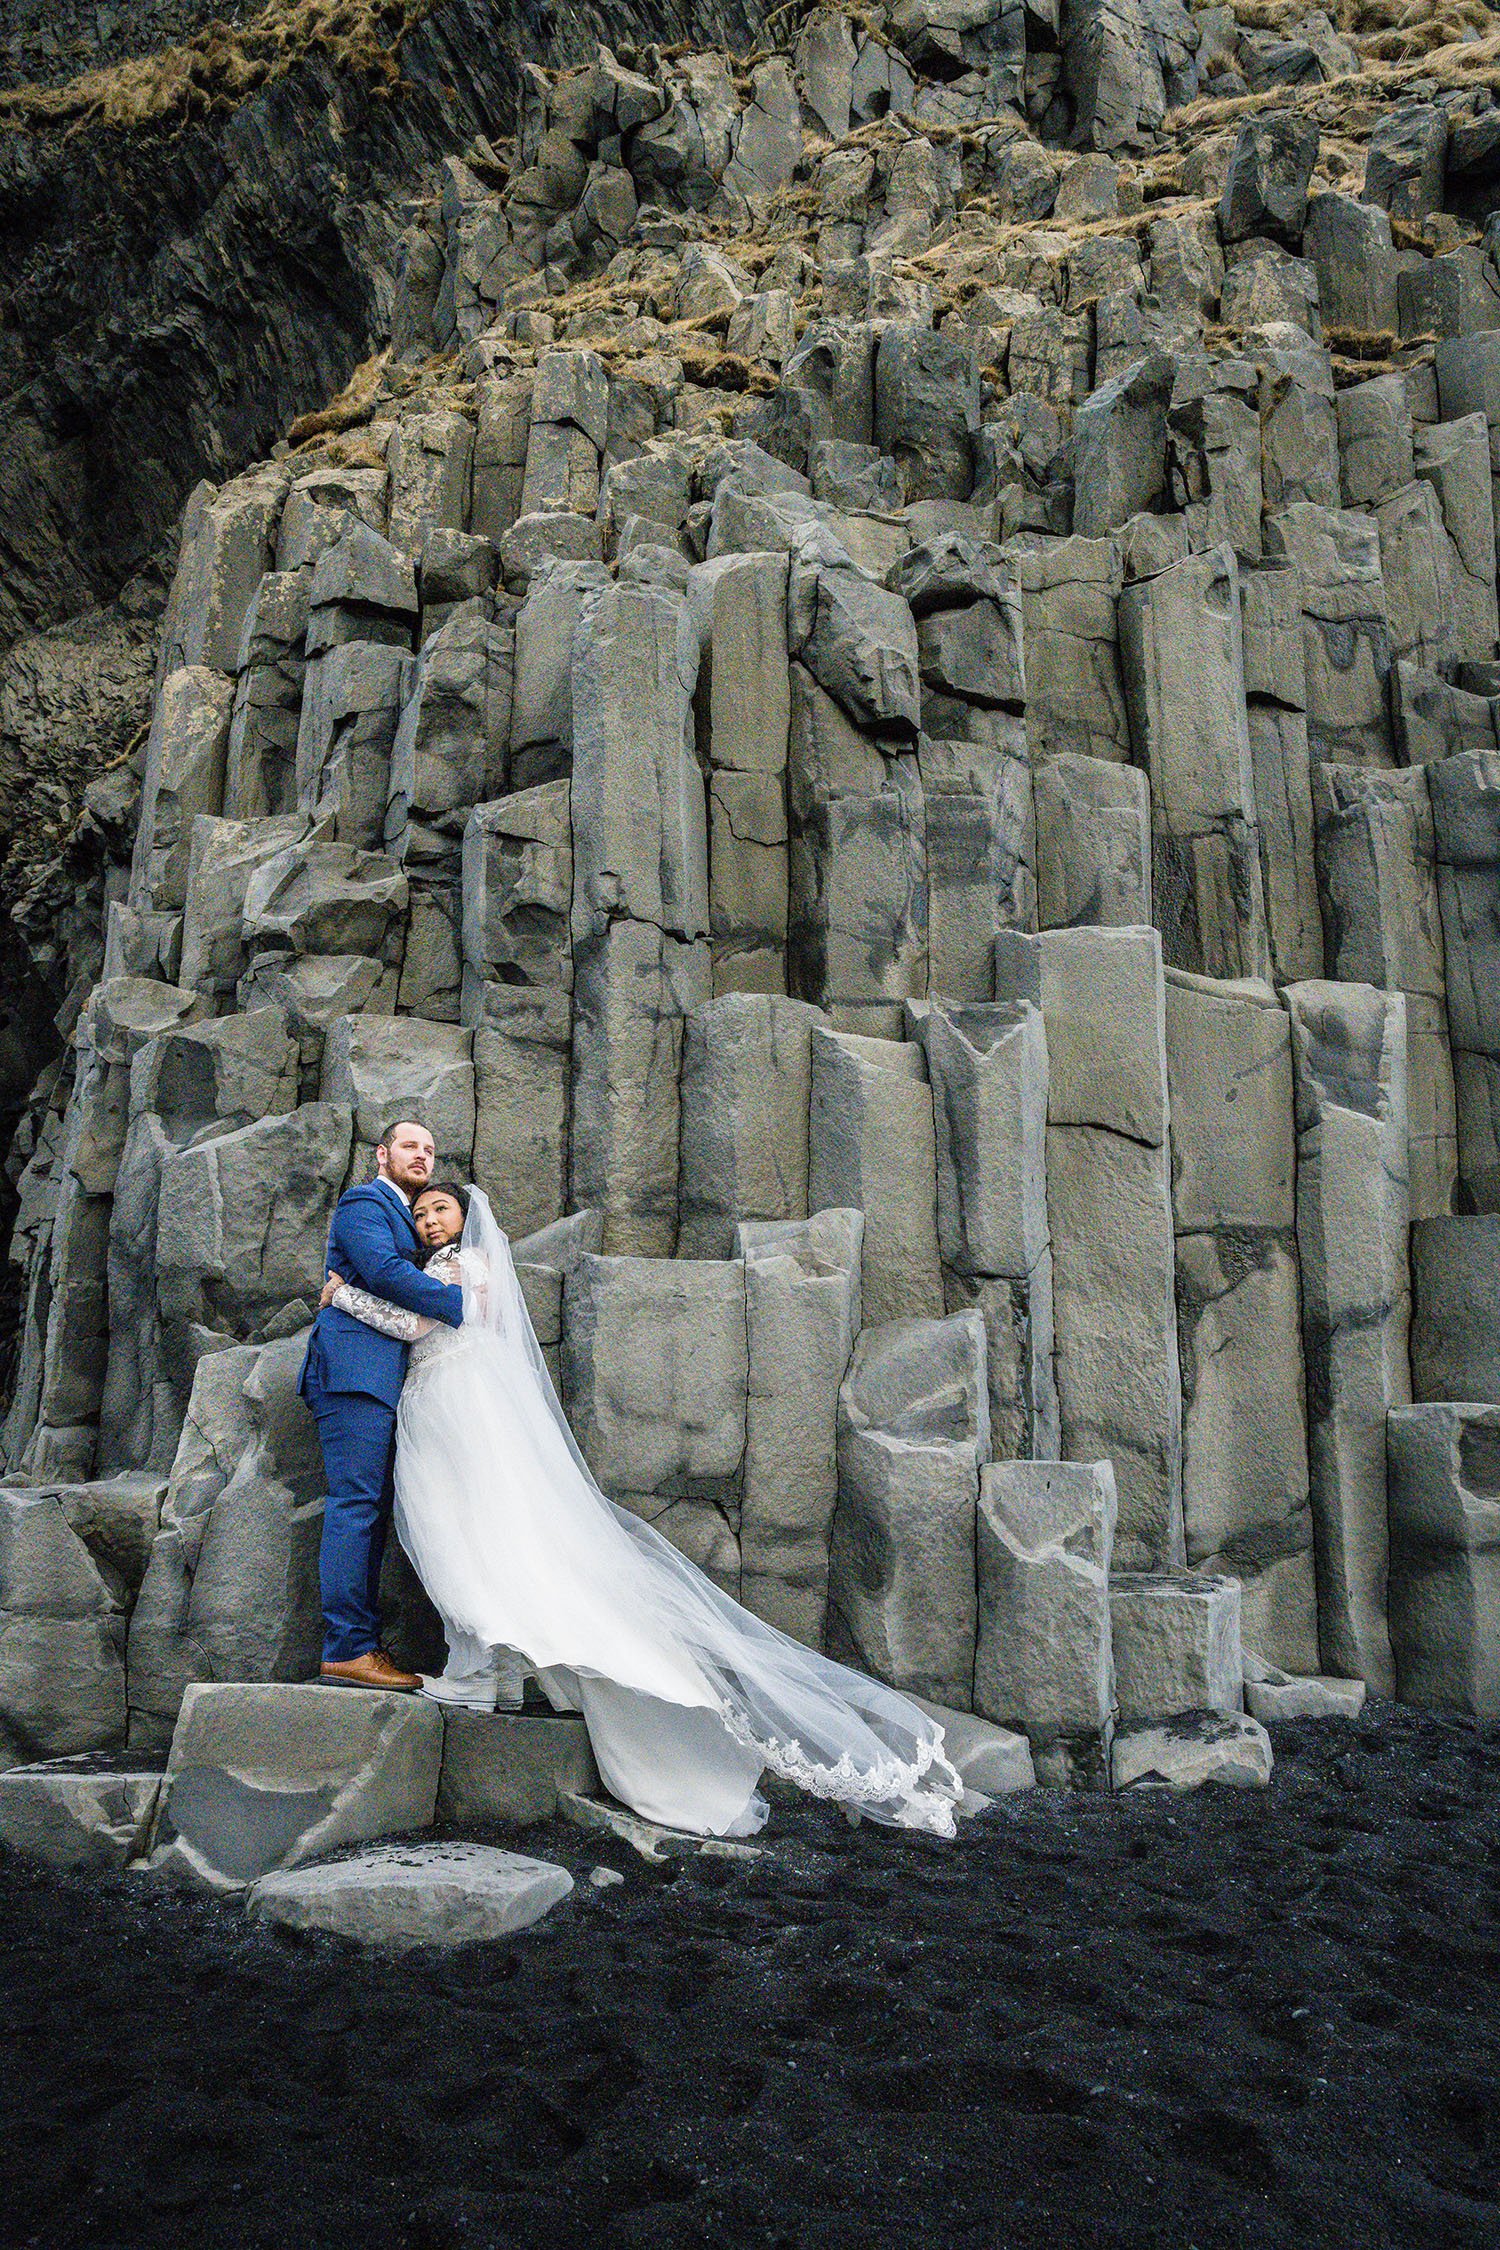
(881, 705)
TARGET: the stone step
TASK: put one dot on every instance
(263, 1776)
(511, 1766)
(403, 1895)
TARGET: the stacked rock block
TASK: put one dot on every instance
(888, 724)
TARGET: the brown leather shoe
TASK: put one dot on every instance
(374, 1670)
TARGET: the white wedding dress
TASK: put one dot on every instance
(688, 1698)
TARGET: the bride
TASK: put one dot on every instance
(687, 1697)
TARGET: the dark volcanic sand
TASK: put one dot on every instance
(1235, 2018)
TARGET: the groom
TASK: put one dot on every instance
(352, 1379)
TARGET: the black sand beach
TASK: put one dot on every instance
(1270, 2020)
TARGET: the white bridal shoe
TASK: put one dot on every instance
(476, 1692)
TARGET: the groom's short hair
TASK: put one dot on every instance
(389, 1132)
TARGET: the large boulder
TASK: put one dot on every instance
(398, 1896)
(268, 1777)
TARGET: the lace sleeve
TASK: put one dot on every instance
(376, 1312)
(469, 1270)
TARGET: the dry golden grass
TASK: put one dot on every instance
(1351, 104)
(224, 63)
(354, 404)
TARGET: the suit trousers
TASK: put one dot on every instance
(358, 1437)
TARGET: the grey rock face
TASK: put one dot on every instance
(522, 1104)
(1119, 447)
(988, 1071)
(1349, 243)
(498, 1766)
(858, 641)
(913, 1433)
(243, 1219)
(185, 765)
(1453, 457)
(380, 1069)
(872, 1148)
(449, 750)
(1404, 169)
(632, 988)
(746, 1086)
(1184, 675)
(1075, 697)
(228, 542)
(1455, 1333)
(802, 1312)
(1378, 879)
(1265, 188)
(518, 888)
(1109, 1210)
(1044, 1663)
(1348, 1053)
(1111, 73)
(927, 409)
(655, 1374)
(1346, 639)
(1443, 1588)
(1245, 1469)
(326, 899)
(1093, 843)
(62, 1630)
(1465, 792)
(231, 1588)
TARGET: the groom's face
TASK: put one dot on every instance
(407, 1158)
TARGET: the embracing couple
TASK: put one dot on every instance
(435, 1410)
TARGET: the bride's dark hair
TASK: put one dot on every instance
(459, 1194)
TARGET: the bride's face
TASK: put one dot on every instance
(438, 1218)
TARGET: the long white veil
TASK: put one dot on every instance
(833, 1731)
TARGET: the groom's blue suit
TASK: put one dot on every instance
(351, 1378)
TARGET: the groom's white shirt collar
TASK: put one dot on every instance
(392, 1189)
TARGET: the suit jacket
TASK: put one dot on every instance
(373, 1242)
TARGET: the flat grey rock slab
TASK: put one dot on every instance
(604, 1817)
(402, 1895)
(1289, 1696)
(1185, 1753)
(77, 1812)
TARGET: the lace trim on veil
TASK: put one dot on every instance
(784, 1683)
(891, 1783)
